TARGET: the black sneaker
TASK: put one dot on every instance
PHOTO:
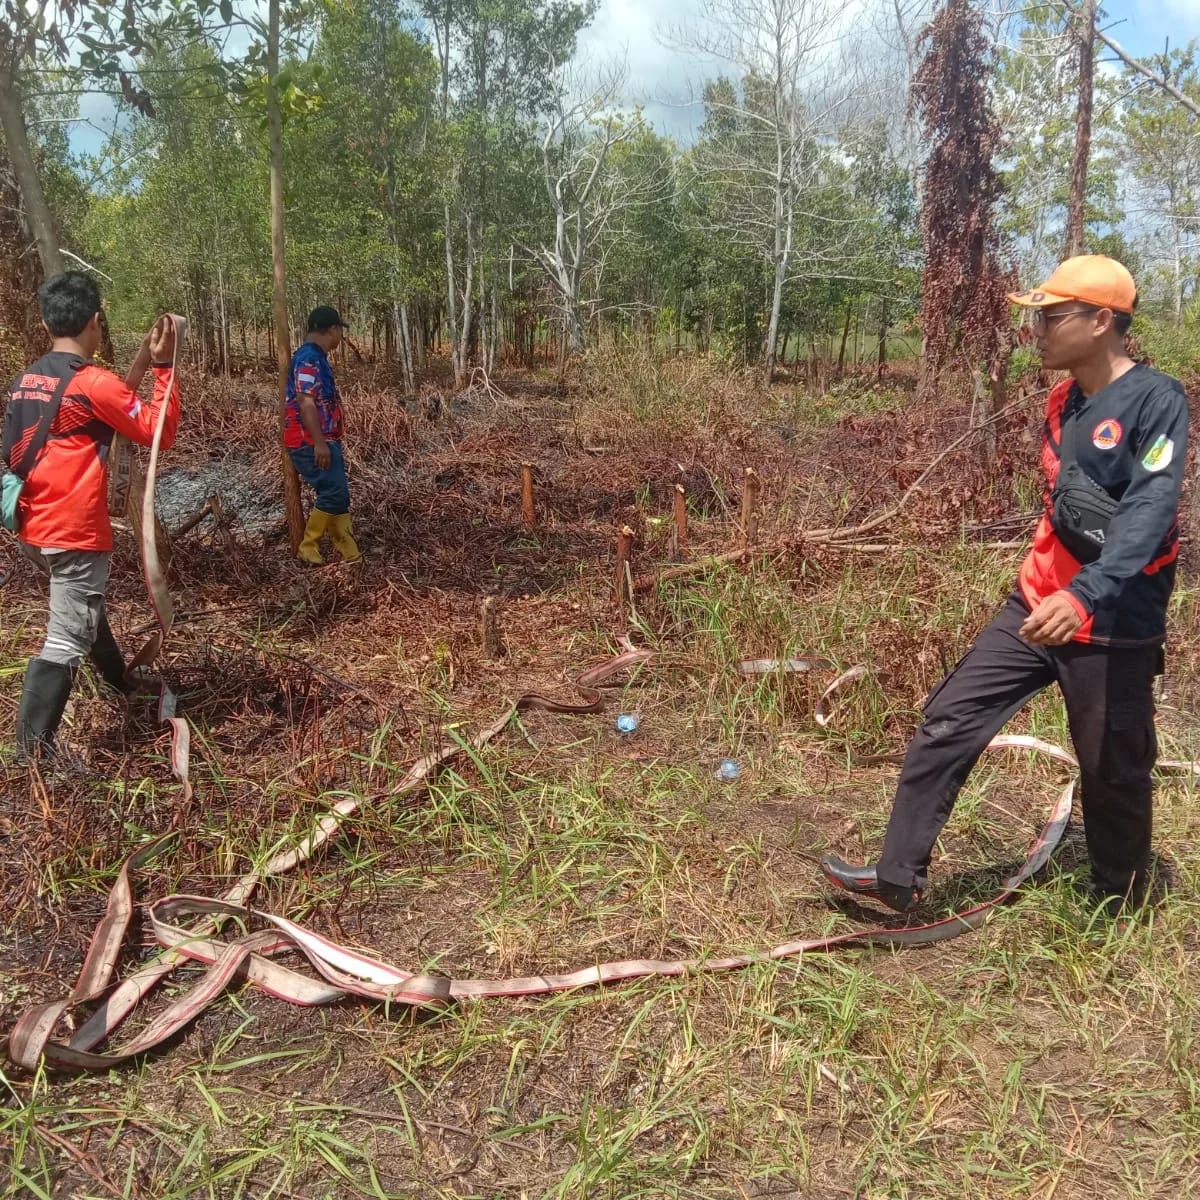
(863, 881)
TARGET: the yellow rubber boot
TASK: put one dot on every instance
(310, 548)
(343, 539)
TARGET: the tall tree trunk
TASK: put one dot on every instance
(770, 342)
(421, 339)
(291, 482)
(482, 324)
(883, 334)
(465, 333)
(1086, 33)
(781, 259)
(841, 363)
(452, 304)
(577, 280)
(490, 361)
(223, 318)
(404, 338)
(33, 199)
(1177, 267)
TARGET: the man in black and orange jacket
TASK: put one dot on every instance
(63, 509)
(1091, 618)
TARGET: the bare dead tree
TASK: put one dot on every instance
(795, 95)
(580, 131)
(1084, 25)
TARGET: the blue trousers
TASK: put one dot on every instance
(330, 485)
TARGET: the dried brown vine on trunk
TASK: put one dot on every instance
(964, 313)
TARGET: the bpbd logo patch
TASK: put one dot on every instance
(1159, 456)
(1107, 434)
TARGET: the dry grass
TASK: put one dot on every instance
(1045, 1056)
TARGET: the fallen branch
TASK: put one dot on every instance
(834, 536)
(207, 614)
(85, 1160)
(308, 665)
(884, 547)
(188, 525)
(645, 582)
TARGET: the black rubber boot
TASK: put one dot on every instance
(43, 699)
(106, 657)
(863, 881)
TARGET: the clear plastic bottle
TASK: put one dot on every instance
(728, 771)
(628, 723)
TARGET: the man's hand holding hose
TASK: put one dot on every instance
(161, 341)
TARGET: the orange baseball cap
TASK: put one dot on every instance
(1093, 279)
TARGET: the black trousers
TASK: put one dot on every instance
(1110, 708)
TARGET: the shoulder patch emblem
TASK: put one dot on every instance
(1160, 454)
(1107, 434)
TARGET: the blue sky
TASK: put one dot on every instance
(662, 78)
(1143, 26)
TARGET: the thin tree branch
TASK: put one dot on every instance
(86, 265)
(1137, 65)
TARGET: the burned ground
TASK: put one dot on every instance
(1041, 1056)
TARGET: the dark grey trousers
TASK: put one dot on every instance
(1110, 707)
(78, 581)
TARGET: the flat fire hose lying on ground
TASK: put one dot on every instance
(342, 971)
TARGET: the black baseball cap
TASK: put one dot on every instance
(324, 317)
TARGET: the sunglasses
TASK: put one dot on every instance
(1041, 318)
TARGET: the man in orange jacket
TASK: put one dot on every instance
(63, 508)
(1089, 610)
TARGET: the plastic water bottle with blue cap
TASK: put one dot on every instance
(728, 771)
(628, 723)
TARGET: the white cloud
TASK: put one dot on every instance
(662, 78)
(666, 74)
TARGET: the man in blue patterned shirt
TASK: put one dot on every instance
(313, 436)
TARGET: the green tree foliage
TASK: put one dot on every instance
(498, 61)
(362, 194)
(1164, 160)
(440, 185)
(183, 225)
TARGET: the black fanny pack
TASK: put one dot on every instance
(1080, 509)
